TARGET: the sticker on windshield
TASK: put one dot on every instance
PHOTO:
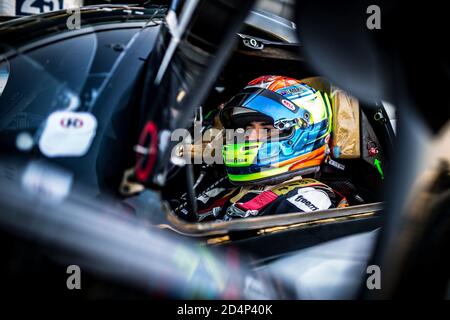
(4, 74)
(68, 134)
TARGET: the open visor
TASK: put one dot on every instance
(259, 104)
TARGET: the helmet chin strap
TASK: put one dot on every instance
(281, 177)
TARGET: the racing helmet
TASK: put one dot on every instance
(302, 117)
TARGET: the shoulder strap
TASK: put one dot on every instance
(268, 196)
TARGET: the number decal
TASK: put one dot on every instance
(50, 5)
(29, 7)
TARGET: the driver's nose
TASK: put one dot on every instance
(253, 134)
(258, 131)
(255, 131)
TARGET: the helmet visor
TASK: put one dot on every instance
(258, 103)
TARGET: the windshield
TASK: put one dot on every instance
(70, 99)
(65, 75)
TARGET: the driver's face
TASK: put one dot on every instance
(259, 130)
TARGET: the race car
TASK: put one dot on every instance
(97, 105)
(262, 52)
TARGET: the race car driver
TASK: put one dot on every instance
(288, 126)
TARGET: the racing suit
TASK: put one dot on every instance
(224, 201)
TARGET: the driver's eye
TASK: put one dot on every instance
(260, 126)
(267, 126)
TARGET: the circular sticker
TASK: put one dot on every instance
(71, 122)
